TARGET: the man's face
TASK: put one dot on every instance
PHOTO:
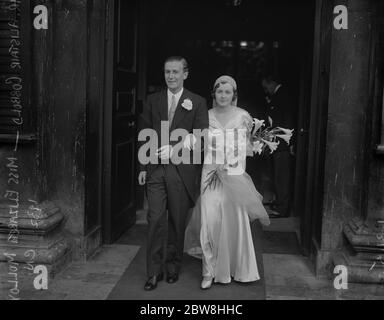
(174, 75)
(268, 86)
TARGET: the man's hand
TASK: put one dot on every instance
(165, 152)
(189, 141)
(291, 150)
(142, 178)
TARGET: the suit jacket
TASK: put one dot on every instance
(281, 110)
(155, 110)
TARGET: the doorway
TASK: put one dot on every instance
(122, 71)
(244, 39)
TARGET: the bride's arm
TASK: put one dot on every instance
(248, 124)
(242, 144)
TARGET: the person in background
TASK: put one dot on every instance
(280, 110)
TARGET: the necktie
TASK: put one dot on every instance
(172, 110)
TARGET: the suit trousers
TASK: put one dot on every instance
(166, 192)
(282, 177)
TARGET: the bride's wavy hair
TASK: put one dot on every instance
(218, 85)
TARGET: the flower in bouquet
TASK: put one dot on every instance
(286, 131)
(257, 147)
(286, 134)
(262, 138)
(272, 145)
(257, 124)
(285, 137)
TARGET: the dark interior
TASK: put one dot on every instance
(244, 39)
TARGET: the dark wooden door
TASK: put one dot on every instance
(311, 218)
(301, 136)
(119, 117)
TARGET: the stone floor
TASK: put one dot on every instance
(291, 277)
(93, 280)
(288, 277)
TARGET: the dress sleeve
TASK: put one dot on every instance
(248, 121)
(248, 124)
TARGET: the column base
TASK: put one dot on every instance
(363, 254)
(361, 270)
(35, 239)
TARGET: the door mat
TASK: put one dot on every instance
(130, 285)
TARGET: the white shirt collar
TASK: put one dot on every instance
(177, 95)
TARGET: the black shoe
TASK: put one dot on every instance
(172, 277)
(277, 212)
(273, 206)
(273, 214)
(152, 282)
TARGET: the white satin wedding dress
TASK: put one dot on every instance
(219, 229)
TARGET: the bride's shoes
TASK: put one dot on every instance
(207, 282)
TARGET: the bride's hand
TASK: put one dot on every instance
(165, 152)
(189, 141)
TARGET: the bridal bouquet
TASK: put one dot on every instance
(267, 137)
(261, 138)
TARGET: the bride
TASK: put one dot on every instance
(219, 230)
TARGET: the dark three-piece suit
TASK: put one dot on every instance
(170, 188)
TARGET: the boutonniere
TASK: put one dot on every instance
(187, 104)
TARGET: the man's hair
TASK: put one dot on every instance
(270, 78)
(180, 59)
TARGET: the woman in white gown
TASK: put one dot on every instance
(219, 229)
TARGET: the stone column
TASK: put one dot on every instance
(348, 133)
(363, 252)
(31, 227)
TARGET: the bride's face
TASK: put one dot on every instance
(224, 95)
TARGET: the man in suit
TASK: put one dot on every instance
(280, 110)
(168, 185)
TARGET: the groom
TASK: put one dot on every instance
(170, 186)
